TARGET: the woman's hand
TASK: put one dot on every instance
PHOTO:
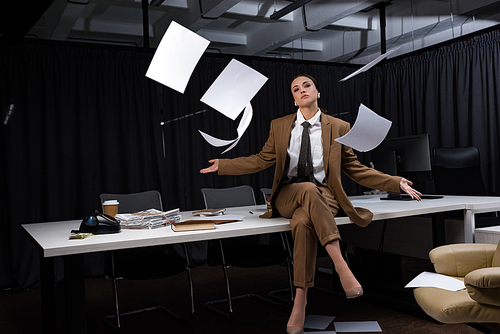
(405, 185)
(213, 168)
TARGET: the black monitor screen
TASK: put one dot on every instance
(404, 156)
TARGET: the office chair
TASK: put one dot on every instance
(144, 263)
(457, 171)
(243, 252)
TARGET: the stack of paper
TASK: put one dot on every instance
(209, 212)
(148, 219)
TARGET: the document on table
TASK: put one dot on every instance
(368, 131)
(174, 61)
(221, 217)
(434, 280)
(369, 65)
(239, 83)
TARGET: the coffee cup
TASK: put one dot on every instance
(111, 207)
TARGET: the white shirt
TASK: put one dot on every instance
(316, 146)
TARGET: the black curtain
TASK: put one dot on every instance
(452, 93)
(82, 123)
(86, 120)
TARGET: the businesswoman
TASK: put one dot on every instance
(307, 187)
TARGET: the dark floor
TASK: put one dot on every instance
(394, 309)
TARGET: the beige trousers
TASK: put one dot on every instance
(311, 210)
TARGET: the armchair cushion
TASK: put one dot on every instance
(483, 285)
(453, 307)
(460, 259)
(495, 262)
(472, 263)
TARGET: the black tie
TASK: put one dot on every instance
(305, 166)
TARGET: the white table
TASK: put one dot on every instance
(471, 205)
(52, 241)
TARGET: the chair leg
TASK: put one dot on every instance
(191, 291)
(229, 299)
(228, 290)
(289, 266)
(117, 327)
(287, 301)
(190, 279)
(118, 315)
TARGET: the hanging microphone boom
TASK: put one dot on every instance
(9, 114)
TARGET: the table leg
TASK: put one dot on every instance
(469, 226)
(75, 294)
(48, 295)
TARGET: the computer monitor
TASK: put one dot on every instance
(408, 156)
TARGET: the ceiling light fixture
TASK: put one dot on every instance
(288, 9)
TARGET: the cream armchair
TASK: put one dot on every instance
(478, 265)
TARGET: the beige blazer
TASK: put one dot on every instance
(336, 158)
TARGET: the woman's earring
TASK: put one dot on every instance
(295, 103)
(319, 95)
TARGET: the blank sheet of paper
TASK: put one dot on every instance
(357, 326)
(370, 64)
(233, 89)
(244, 123)
(434, 280)
(318, 321)
(176, 57)
(368, 131)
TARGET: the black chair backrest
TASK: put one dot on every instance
(216, 198)
(457, 171)
(135, 202)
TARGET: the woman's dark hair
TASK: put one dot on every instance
(310, 77)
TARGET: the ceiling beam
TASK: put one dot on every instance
(198, 15)
(288, 9)
(212, 9)
(427, 31)
(58, 21)
(358, 21)
(318, 14)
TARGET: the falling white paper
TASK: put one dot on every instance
(368, 131)
(357, 326)
(434, 280)
(233, 89)
(318, 321)
(242, 127)
(176, 57)
(369, 65)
